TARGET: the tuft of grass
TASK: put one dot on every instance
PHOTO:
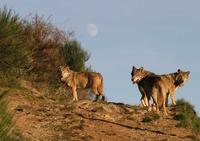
(187, 116)
(194, 138)
(147, 119)
(150, 118)
(155, 116)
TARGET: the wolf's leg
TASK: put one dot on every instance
(164, 104)
(174, 101)
(94, 88)
(76, 96)
(143, 99)
(155, 100)
(74, 92)
(166, 99)
(103, 98)
(164, 94)
(89, 90)
(100, 90)
(97, 97)
(147, 100)
(164, 108)
(142, 102)
(172, 96)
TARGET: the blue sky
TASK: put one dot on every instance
(161, 36)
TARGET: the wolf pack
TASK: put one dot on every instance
(155, 89)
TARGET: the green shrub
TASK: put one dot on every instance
(12, 50)
(151, 117)
(147, 119)
(74, 55)
(187, 116)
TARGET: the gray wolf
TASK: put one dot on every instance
(82, 80)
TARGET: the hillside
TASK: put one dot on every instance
(40, 118)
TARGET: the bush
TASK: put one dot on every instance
(43, 41)
(36, 48)
(48, 47)
(151, 117)
(187, 116)
(12, 51)
(74, 55)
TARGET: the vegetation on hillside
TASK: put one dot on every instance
(35, 48)
(74, 55)
(8, 132)
(32, 49)
(12, 48)
(186, 115)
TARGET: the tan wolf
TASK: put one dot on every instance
(158, 86)
(76, 80)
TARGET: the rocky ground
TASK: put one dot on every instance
(39, 118)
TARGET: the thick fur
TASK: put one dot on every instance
(82, 80)
(158, 86)
(144, 74)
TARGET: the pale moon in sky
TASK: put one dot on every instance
(92, 30)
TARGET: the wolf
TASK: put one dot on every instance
(158, 86)
(82, 80)
(183, 77)
(144, 74)
(175, 81)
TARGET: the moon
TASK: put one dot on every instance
(92, 30)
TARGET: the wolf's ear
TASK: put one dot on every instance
(133, 69)
(142, 69)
